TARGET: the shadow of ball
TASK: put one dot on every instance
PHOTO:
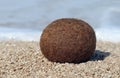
(68, 40)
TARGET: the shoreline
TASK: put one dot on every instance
(22, 59)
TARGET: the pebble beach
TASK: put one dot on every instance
(23, 59)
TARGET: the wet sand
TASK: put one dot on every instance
(20, 59)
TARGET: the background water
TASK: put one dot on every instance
(26, 19)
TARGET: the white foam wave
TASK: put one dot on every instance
(18, 34)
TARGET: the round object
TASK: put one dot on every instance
(68, 40)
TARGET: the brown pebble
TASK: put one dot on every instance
(68, 40)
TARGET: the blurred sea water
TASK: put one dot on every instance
(26, 19)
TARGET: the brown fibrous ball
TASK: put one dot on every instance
(68, 40)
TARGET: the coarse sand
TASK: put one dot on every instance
(22, 59)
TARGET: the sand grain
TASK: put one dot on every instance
(24, 60)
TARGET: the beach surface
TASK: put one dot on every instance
(23, 59)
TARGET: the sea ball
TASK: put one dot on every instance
(68, 40)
